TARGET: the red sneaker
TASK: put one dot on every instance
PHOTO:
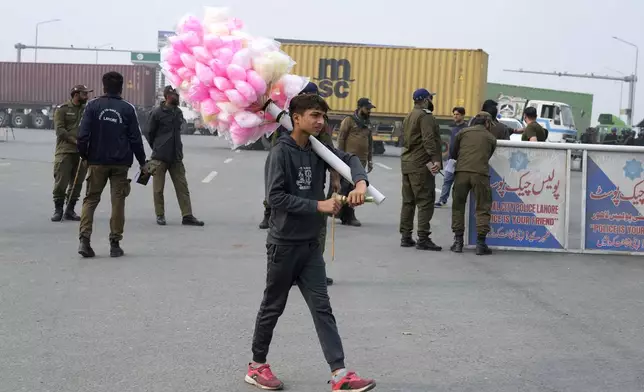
(353, 383)
(263, 378)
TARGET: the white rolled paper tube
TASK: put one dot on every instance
(336, 163)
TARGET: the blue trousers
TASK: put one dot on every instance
(447, 187)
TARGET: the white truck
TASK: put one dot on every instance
(555, 117)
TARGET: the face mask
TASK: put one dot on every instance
(82, 101)
(430, 106)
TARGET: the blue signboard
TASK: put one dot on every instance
(528, 199)
(614, 202)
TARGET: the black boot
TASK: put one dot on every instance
(84, 248)
(161, 220)
(427, 244)
(58, 211)
(70, 214)
(349, 217)
(407, 242)
(329, 281)
(267, 214)
(190, 220)
(115, 249)
(457, 246)
(481, 247)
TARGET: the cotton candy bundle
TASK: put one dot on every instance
(229, 75)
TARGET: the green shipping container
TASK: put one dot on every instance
(581, 103)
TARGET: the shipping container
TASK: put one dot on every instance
(389, 76)
(49, 83)
(29, 92)
(580, 103)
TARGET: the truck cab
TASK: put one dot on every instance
(556, 117)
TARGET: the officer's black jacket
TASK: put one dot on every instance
(164, 133)
(109, 132)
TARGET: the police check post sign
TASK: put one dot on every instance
(528, 199)
(614, 202)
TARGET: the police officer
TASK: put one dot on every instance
(534, 132)
(164, 127)
(67, 161)
(421, 159)
(473, 149)
(355, 138)
(499, 130)
(108, 138)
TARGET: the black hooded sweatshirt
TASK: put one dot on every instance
(295, 183)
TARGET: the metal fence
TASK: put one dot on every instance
(540, 205)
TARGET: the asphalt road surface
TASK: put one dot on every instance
(177, 313)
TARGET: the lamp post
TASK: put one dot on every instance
(98, 47)
(634, 82)
(36, 41)
(621, 88)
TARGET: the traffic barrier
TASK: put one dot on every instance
(532, 201)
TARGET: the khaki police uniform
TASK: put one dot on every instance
(534, 129)
(422, 145)
(355, 138)
(66, 158)
(473, 148)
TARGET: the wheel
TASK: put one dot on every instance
(39, 121)
(19, 120)
(378, 148)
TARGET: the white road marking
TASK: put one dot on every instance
(5, 163)
(209, 177)
(237, 151)
(382, 165)
(228, 160)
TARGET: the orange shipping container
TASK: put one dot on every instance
(389, 76)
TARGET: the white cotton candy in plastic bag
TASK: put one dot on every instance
(216, 15)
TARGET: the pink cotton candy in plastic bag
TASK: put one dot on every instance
(185, 73)
(247, 119)
(188, 60)
(190, 39)
(235, 72)
(178, 45)
(236, 98)
(223, 83)
(235, 24)
(218, 67)
(202, 54)
(198, 93)
(208, 107)
(225, 55)
(217, 95)
(190, 23)
(171, 57)
(242, 58)
(212, 42)
(246, 90)
(204, 74)
(256, 81)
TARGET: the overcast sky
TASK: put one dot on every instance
(545, 35)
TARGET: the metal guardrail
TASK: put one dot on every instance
(612, 197)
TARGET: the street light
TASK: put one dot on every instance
(98, 47)
(632, 92)
(621, 88)
(36, 44)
